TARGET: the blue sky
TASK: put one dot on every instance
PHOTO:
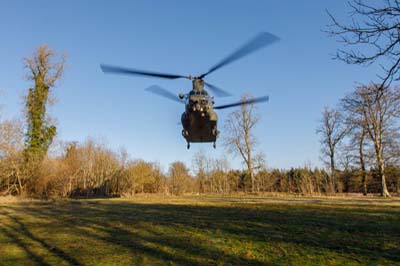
(183, 37)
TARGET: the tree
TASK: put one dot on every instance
(219, 178)
(179, 178)
(73, 165)
(379, 108)
(201, 166)
(374, 32)
(11, 145)
(44, 71)
(356, 149)
(332, 131)
(240, 138)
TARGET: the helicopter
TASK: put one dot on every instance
(199, 120)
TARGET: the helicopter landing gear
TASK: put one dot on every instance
(185, 133)
(215, 131)
(214, 145)
(188, 145)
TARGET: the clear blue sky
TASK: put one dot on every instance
(184, 37)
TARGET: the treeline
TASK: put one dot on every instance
(91, 169)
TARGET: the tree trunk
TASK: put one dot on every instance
(249, 163)
(381, 168)
(362, 164)
(332, 181)
(364, 180)
(251, 174)
(385, 192)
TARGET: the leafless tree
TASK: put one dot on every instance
(332, 130)
(356, 149)
(41, 67)
(372, 36)
(219, 178)
(240, 138)
(212, 174)
(11, 146)
(201, 166)
(378, 109)
(179, 178)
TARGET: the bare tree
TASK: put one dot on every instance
(219, 178)
(359, 147)
(11, 146)
(332, 130)
(201, 166)
(179, 178)
(378, 109)
(240, 138)
(373, 36)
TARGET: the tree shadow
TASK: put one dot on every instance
(18, 230)
(14, 238)
(166, 232)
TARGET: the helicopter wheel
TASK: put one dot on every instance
(215, 131)
(215, 145)
(185, 133)
(188, 145)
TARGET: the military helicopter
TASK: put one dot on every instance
(199, 120)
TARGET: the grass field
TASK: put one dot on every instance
(157, 230)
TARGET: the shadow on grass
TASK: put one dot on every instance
(21, 229)
(14, 238)
(186, 234)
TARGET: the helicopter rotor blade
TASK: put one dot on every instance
(131, 71)
(217, 91)
(163, 92)
(259, 41)
(250, 101)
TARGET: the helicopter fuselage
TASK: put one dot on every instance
(199, 128)
(199, 120)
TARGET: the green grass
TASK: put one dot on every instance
(159, 230)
